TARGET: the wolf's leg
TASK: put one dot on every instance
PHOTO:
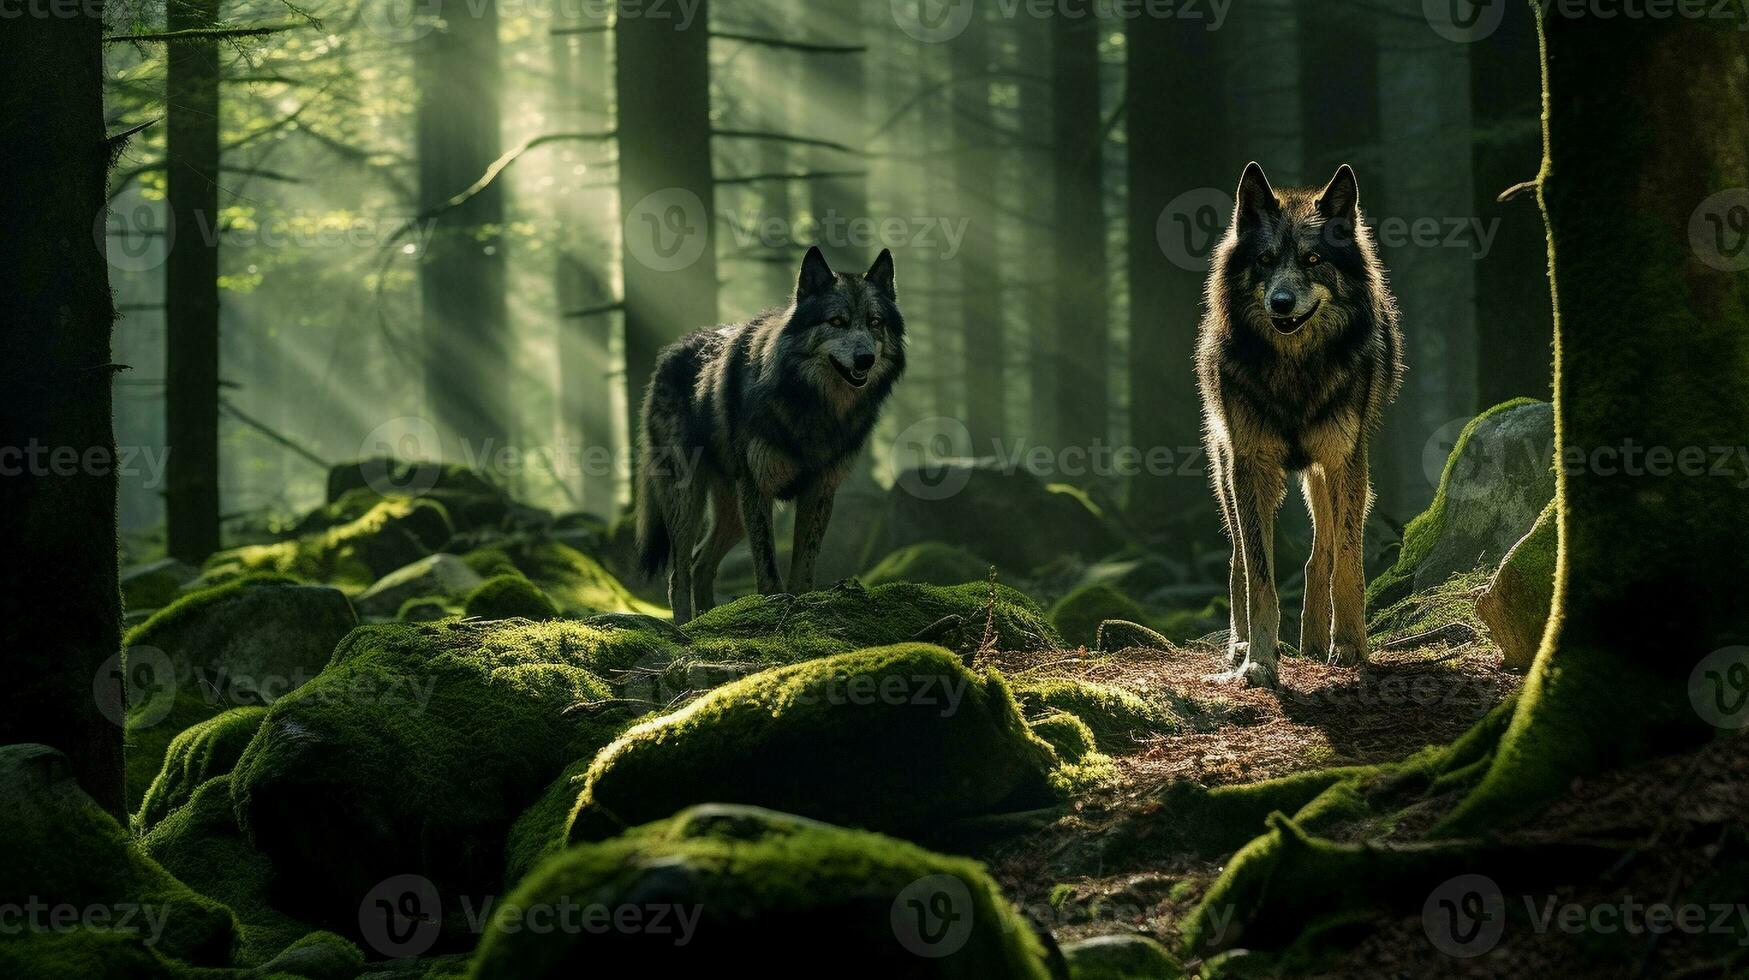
(813, 513)
(1315, 615)
(1351, 498)
(756, 515)
(687, 516)
(1239, 619)
(726, 531)
(1257, 487)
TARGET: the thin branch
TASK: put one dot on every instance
(575, 31)
(594, 311)
(754, 134)
(775, 42)
(200, 34)
(271, 433)
(811, 175)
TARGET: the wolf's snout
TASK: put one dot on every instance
(865, 360)
(1282, 302)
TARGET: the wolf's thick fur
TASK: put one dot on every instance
(772, 409)
(1298, 355)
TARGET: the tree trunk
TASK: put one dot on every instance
(667, 204)
(1339, 97)
(60, 611)
(1513, 319)
(1082, 344)
(976, 162)
(464, 318)
(1178, 163)
(1646, 125)
(191, 287)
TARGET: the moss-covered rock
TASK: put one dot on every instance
(931, 563)
(509, 597)
(577, 584)
(243, 643)
(417, 748)
(60, 851)
(1080, 764)
(155, 585)
(1006, 515)
(1077, 615)
(1114, 635)
(395, 532)
(425, 609)
(893, 738)
(1516, 603)
(1497, 479)
(1125, 956)
(748, 891)
(441, 576)
(473, 501)
(1117, 717)
(202, 752)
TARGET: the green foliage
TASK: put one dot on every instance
(202, 752)
(1077, 615)
(509, 597)
(772, 894)
(929, 563)
(894, 738)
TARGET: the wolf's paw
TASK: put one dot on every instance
(1347, 653)
(1253, 673)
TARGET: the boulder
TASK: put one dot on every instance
(155, 584)
(1077, 615)
(473, 501)
(746, 891)
(201, 753)
(509, 597)
(393, 533)
(576, 583)
(1117, 717)
(441, 576)
(1517, 600)
(931, 563)
(1125, 956)
(1497, 479)
(1005, 515)
(896, 739)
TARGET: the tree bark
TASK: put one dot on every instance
(463, 312)
(60, 611)
(976, 163)
(1082, 343)
(191, 287)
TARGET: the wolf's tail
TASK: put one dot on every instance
(653, 539)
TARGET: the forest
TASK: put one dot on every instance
(1044, 489)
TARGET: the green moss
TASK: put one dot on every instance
(1184, 625)
(1423, 532)
(82, 954)
(541, 830)
(424, 609)
(893, 738)
(577, 584)
(1117, 717)
(1452, 601)
(1517, 600)
(351, 556)
(62, 850)
(317, 956)
(198, 754)
(769, 894)
(1081, 766)
(155, 585)
(1120, 957)
(1077, 615)
(473, 500)
(509, 597)
(931, 563)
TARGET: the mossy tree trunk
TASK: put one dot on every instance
(191, 286)
(1645, 122)
(60, 612)
(1083, 335)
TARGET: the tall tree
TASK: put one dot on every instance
(60, 611)
(975, 164)
(1339, 96)
(666, 197)
(1513, 317)
(1082, 342)
(464, 317)
(191, 285)
(1175, 147)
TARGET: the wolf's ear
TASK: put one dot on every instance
(1342, 196)
(1256, 199)
(817, 276)
(880, 275)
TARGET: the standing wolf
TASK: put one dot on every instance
(772, 409)
(1298, 355)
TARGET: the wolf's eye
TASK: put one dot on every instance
(838, 321)
(1267, 258)
(1313, 258)
(874, 321)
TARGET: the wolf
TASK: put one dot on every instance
(1298, 354)
(775, 408)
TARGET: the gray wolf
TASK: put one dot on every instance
(775, 408)
(1298, 354)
